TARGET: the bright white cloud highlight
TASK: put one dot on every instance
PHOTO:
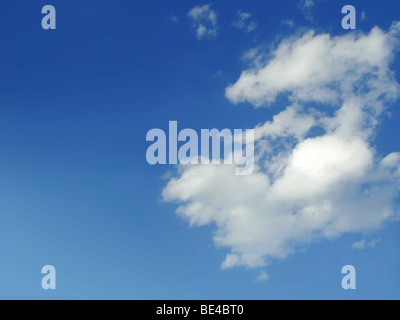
(317, 173)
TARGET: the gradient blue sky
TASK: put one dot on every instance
(76, 191)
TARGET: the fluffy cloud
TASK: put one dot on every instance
(317, 173)
(319, 68)
(204, 21)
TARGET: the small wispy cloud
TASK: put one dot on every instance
(173, 19)
(263, 276)
(363, 244)
(363, 16)
(306, 7)
(288, 22)
(244, 22)
(204, 21)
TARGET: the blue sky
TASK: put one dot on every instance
(76, 190)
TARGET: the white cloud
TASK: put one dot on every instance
(363, 244)
(311, 67)
(288, 122)
(204, 21)
(317, 173)
(392, 163)
(244, 21)
(254, 56)
(230, 261)
(322, 162)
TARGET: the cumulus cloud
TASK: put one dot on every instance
(204, 21)
(317, 173)
(312, 68)
(244, 22)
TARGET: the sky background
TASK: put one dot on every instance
(76, 191)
